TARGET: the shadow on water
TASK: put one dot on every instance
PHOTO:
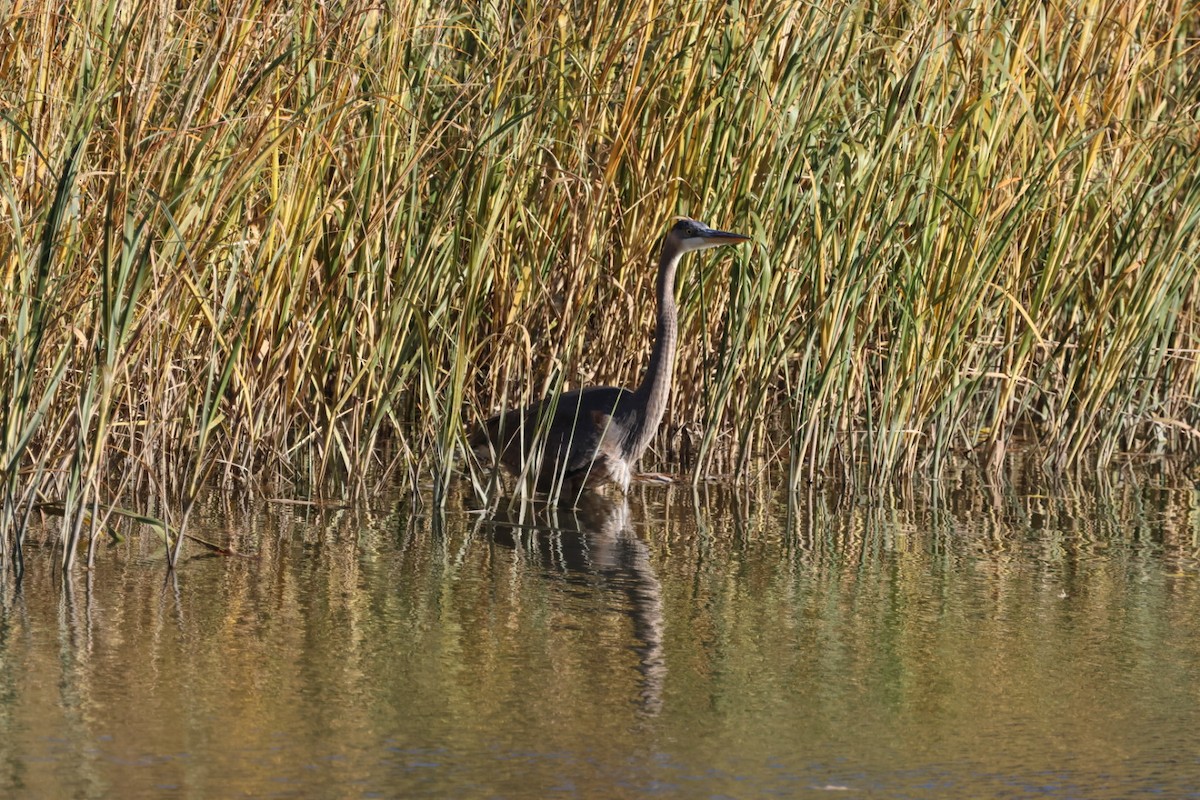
(589, 545)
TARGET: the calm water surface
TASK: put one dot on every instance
(711, 644)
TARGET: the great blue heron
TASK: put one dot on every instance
(595, 436)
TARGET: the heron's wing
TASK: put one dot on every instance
(569, 429)
(582, 421)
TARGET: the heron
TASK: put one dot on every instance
(593, 437)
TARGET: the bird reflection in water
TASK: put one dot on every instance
(596, 539)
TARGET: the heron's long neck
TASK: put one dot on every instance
(652, 395)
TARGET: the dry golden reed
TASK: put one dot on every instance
(244, 241)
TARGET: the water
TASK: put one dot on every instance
(1021, 644)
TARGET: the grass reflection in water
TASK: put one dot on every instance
(1032, 642)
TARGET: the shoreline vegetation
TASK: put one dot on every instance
(263, 241)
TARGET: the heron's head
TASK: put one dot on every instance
(688, 235)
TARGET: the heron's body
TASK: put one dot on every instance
(595, 436)
(585, 444)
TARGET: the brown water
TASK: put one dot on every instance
(688, 645)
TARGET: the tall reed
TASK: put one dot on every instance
(248, 242)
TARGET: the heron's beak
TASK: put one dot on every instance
(714, 237)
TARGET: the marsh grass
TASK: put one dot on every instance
(254, 242)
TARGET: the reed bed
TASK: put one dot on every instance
(244, 242)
